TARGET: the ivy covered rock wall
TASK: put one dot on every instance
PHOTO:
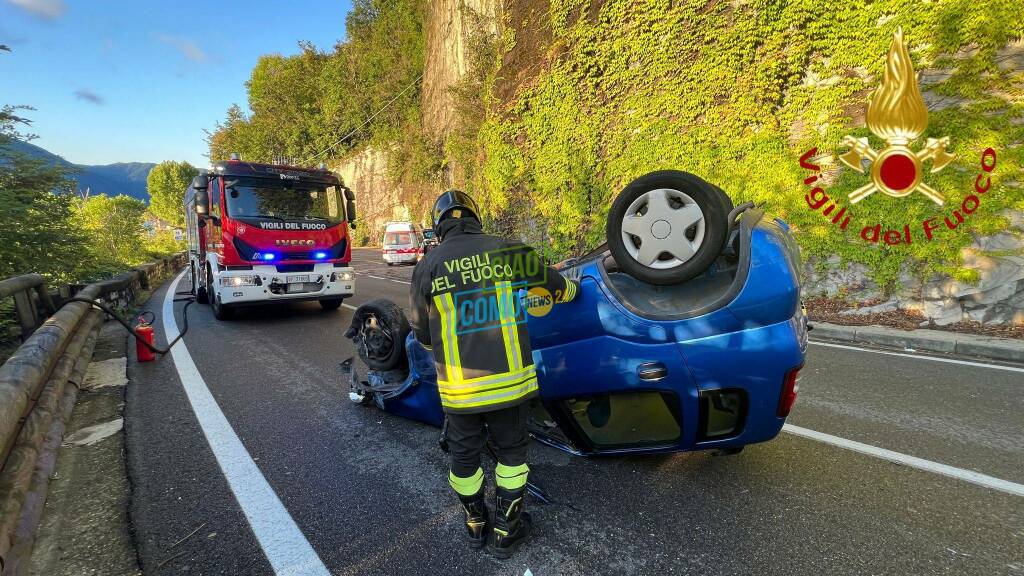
(737, 91)
(545, 109)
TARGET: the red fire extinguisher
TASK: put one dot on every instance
(144, 333)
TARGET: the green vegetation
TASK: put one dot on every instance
(733, 91)
(305, 104)
(736, 92)
(50, 230)
(166, 185)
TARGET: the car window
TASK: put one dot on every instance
(397, 238)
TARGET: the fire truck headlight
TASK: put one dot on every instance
(345, 276)
(235, 281)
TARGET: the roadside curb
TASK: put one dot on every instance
(990, 347)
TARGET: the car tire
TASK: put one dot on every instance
(378, 330)
(681, 217)
(330, 304)
(198, 290)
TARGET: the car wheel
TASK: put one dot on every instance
(221, 311)
(329, 304)
(667, 227)
(198, 290)
(378, 330)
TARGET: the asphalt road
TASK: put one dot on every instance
(368, 492)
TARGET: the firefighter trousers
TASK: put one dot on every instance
(467, 437)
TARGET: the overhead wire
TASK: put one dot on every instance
(368, 120)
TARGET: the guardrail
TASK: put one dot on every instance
(29, 292)
(39, 385)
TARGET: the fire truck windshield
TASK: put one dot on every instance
(283, 200)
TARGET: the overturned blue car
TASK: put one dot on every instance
(681, 339)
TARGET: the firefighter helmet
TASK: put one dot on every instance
(452, 200)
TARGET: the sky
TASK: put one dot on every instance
(138, 81)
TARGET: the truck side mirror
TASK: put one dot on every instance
(202, 203)
(199, 184)
(350, 207)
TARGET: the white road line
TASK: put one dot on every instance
(921, 357)
(284, 545)
(388, 279)
(912, 461)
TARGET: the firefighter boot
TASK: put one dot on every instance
(477, 523)
(511, 522)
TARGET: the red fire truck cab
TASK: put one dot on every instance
(261, 233)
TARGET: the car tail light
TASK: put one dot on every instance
(790, 387)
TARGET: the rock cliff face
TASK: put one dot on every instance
(377, 197)
(448, 31)
(366, 172)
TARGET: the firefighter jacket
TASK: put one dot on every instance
(468, 307)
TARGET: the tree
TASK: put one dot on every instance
(36, 200)
(114, 225)
(166, 184)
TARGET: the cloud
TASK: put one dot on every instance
(90, 96)
(48, 9)
(186, 47)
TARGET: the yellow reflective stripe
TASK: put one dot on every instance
(511, 477)
(488, 379)
(570, 291)
(497, 397)
(449, 335)
(467, 486)
(478, 388)
(509, 329)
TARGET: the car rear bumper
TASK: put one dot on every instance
(400, 257)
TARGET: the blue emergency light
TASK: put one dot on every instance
(320, 255)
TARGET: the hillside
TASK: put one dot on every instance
(127, 178)
(545, 109)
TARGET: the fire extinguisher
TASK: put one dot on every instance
(144, 334)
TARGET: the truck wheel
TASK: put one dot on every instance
(329, 304)
(378, 330)
(197, 290)
(220, 311)
(667, 227)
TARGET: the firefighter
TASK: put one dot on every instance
(468, 308)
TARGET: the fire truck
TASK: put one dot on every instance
(262, 233)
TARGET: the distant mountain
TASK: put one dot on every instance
(128, 178)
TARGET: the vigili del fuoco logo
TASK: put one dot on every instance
(896, 113)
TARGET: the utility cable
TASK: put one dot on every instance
(368, 120)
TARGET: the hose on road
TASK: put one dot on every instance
(189, 299)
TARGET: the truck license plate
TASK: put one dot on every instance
(298, 279)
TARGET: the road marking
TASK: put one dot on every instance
(383, 278)
(921, 357)
(282, 542)
(912, 461)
